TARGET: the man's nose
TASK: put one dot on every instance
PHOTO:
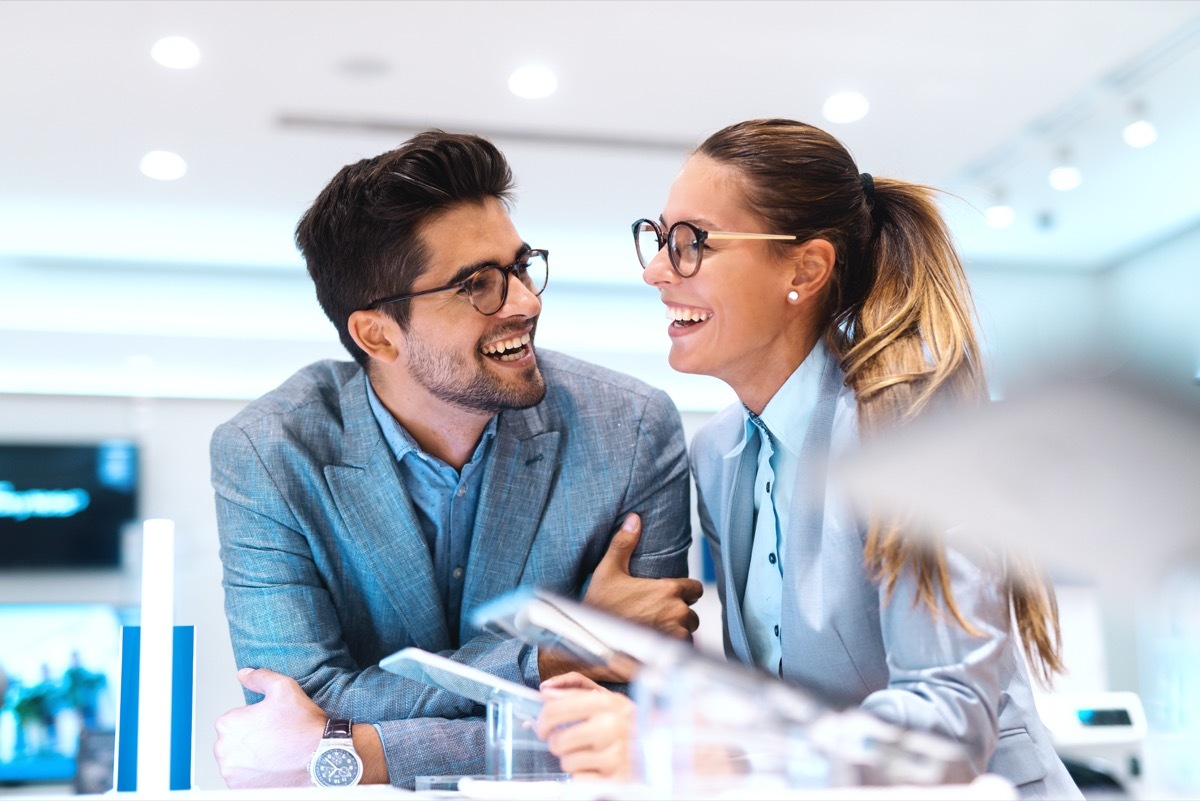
(521, 300)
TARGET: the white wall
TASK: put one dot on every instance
(1032, 321)
(1156, 297)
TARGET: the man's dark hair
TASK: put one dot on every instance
(360, 236)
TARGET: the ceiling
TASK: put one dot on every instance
(972, 97)
(967, 96)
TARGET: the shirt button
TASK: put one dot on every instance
(462, 491)
(771, 558)
(768, 486)
(458, 573)
(776, 629)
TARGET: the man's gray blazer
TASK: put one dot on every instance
(326, 570)
(842, 641)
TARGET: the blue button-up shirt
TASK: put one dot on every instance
(781, 429)
(444, 501)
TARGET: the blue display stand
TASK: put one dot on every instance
(182, 684)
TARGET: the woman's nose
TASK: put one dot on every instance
(659, 270)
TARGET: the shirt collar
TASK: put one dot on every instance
(398, 438)
(787, 413)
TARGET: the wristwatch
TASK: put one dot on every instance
(335, 763)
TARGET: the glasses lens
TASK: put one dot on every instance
(534, 271)
(683, 247)
(486, 289)
(647, 239)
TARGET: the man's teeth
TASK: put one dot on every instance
(500, 347)
(682, 315)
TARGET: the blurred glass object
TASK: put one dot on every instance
(1170, 684)
(706, 725)
(513, 749)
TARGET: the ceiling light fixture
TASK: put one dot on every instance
(176, 52)
(845, 107)
(999, 214)
(532, 82)
(1141, 132)
(1066, 176)
(163, 165)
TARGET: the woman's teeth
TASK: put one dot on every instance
(681, 316)
(507, 350)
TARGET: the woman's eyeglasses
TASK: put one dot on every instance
(685, 243)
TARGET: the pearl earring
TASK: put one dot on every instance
(793, 296)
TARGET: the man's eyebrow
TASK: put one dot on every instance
(469, 270)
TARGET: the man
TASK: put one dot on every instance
(367, 507)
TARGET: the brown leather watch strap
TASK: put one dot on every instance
(338, 729)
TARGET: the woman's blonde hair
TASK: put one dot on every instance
(899, 321)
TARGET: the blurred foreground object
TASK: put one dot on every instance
(1100, 477)
(708, 727)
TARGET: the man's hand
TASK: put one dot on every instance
(663, 604)
(268, 744)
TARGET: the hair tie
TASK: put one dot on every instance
(868, 185)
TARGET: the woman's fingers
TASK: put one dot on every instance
(563, 707)
(570, 681)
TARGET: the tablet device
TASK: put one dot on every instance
(469, 682)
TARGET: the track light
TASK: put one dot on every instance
(1140, 132)
(999, 214)
(1066, 176)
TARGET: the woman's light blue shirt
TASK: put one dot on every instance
(780, 429)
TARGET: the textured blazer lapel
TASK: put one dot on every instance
(811, 561)
(380, 522)
(516, 486)
(738, 488)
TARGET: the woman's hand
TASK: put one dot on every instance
(587, 727)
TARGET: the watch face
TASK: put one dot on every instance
(336, 767)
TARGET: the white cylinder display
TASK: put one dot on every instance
(156, 668)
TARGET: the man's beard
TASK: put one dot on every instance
(451, 376)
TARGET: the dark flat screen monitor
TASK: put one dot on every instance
(65, 505)
(59, 673)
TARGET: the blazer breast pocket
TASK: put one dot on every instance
(1017, 758)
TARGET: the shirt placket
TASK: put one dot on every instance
(766, 566)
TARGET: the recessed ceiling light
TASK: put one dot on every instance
(1065, 178)
(1000, 216)
(532, 81)
(176, 52)
(163, 165)
(845, 107)
(1140, 134)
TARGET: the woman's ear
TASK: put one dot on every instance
(812, 265)
(376, 333)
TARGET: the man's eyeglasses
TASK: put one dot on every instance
(487, 289)
(685, 243)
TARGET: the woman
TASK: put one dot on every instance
(835, 306)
